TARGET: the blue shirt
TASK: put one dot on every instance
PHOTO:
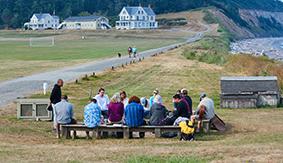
(92, 115)
(134, 114)
(63, 112)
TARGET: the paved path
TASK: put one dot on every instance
(21, 87)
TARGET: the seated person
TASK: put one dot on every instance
(92, 115)
(145, 104)
(157, 111)
(134, 114)
(205, 109)
(115, 109)
(182, 108)
(64, 114)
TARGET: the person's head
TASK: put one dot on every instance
(93, 100)
(184, 92)
(101, 92)
(177, 98)
(157, 99)
(116, 98)
(178, 92)
(123, 95)
(60, 82)
(202, 96)
(64, 97)
(144, 102)
(134, 99)
(156, 92)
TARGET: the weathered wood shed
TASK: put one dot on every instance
(249, 92)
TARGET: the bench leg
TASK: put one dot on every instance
(97, 133)
(126, 132)
(206, 127)
(157, 132)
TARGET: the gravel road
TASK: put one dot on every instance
(25, 86)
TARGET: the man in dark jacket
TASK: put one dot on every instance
(188, 99)
(55, 97)
(182, 107)
(157, 111)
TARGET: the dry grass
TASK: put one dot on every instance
(256, 66)
(253, 135)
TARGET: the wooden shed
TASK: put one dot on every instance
(249, 92)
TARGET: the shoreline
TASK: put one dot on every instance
(271, 47)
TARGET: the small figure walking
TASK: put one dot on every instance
(130, 51)
(134, 50)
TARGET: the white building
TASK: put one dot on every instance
(42, 21)
(91, 22)
(137, 18)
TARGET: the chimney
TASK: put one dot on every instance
(140, 5)
(149, 6)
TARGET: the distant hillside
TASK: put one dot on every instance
(256, 17)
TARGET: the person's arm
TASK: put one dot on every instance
(52, 95)
(72, 111)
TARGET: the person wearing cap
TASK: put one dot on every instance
(144, 103)
(155, 92)
(158, 111)
(102, 101)
(205, 109)
(184, 93)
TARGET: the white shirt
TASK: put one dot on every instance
(125, 102)
(102, 102)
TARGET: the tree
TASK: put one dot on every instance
(84, 13)
(6, 17)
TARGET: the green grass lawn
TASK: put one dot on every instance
(71, 49)
(90, 48)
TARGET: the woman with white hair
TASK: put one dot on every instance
(158, 111)
(115, 109)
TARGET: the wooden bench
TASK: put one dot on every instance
(157, 130)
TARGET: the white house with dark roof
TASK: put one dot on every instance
(137, 18)
(42, 21)
(91, 22)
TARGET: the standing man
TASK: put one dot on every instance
(130, 51)
(55, 97)
(102, 101)
(134, 50)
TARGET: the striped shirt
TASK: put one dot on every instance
(134, 114)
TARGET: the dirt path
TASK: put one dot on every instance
(10, 90)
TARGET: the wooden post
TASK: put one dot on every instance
(77, 81)
(157, 132)
(126, 131)
(122, 65)
(206, 127)
(112, 68)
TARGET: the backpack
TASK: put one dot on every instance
(187, 130)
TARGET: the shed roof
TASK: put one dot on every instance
(248, 85)
(248, 78)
